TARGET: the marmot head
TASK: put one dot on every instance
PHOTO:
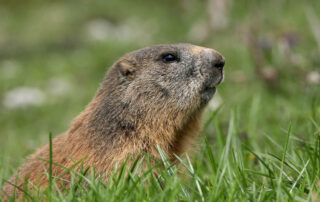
(161, 79)
(178, 74)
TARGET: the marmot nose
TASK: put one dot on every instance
(218, 61)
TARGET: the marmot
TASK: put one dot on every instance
(149, 97)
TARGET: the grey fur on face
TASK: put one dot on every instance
(179, 82)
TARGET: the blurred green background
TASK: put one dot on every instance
(54, 54)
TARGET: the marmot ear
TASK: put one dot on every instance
(127, 68)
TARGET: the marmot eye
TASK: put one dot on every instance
(169, 58)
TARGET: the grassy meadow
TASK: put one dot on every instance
(261, 132)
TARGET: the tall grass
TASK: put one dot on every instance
(223, 170)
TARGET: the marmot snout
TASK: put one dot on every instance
(149, 97)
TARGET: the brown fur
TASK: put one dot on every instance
(143, 102)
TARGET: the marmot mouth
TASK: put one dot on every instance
(207, 93)
(209, 89)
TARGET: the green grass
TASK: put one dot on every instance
(261, 144)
